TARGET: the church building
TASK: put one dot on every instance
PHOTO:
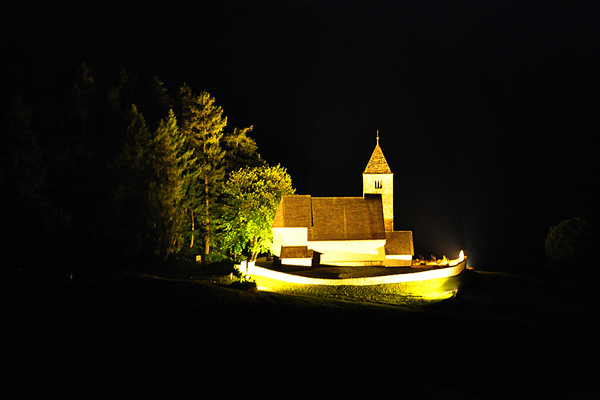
(344, 231)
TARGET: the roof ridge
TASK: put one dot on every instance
(338, 197)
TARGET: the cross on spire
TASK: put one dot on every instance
(378, 137)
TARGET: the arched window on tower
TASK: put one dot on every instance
(378, 185)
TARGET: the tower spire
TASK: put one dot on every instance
(379, 179)
(377, 163)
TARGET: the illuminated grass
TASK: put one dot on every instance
(394, 293)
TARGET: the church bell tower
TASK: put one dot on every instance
(379, 179)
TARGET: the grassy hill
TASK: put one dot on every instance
(124, 334)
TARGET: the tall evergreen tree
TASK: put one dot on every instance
(240, 150)
(207, 127)
(130, 230)
(22, 180)
(154, 171)
(147, 93)
(22, 171)
(77, 149)
(216, 152)
(91, 132)
(173, 170)
(98, 130)
(202, 126)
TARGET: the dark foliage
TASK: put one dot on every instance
(244, 285)
(109, 173)
(570, 247)
(23, 181)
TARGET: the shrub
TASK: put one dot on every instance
(569, 246)
(244, 284)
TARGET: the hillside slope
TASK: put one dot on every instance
(130, 334)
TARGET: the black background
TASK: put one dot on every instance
(487, 111)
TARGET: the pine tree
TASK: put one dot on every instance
(22, 171)
(202, 126)
(147, 93)
(217, 153)
(173, 171)
(22, 182)
(240, 150)
(130, 230)
(93, 128)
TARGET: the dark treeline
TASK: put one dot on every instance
(116, 169)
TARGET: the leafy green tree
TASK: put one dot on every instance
(252, 195)
(569, 246)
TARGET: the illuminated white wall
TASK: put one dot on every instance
(398, 260)
(288, 237)
(300, 262)
(350, 252)
(336, 252)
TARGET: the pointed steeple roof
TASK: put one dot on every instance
(377, 164)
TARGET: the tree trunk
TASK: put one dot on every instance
(206, 224)
(253, 253)
(193, 227)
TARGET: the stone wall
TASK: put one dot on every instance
(382, 184)
(427, 285)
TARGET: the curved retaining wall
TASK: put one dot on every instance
(428, 285)
(255, 271)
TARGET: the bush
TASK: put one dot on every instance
(569, 247)
(244, 284)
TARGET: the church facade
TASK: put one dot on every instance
(344, 231)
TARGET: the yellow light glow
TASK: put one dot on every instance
(255, 271)
(441, 296)
(432, 285)
(442, 262)
(460, 259)
(397, 293)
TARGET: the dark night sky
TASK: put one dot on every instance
(487, 111)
